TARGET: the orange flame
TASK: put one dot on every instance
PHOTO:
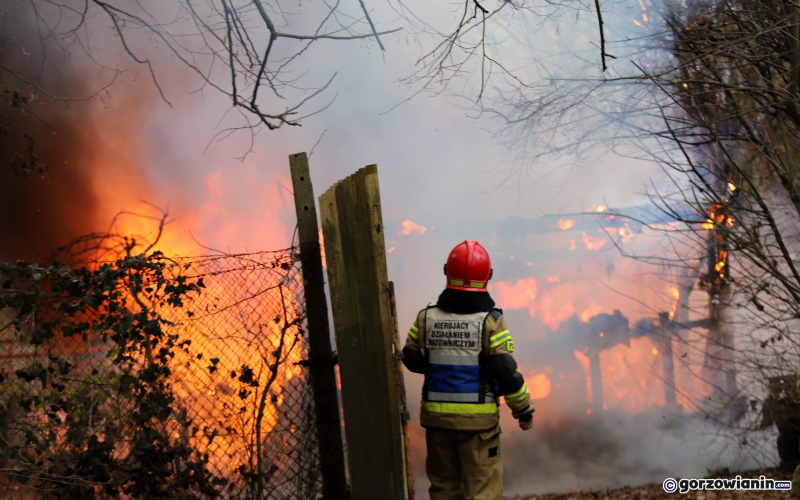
(411, 227)
(538, 384)
(565, 224)
(553, 279)
(593, 243)
(677, 294)
(593, 310)
(520, 294)
(625, 233)
(628, 375)
(585, 362)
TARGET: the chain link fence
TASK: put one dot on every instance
(242, 387)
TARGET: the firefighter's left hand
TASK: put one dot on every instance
(526, 425)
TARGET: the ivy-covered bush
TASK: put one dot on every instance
(106, 424)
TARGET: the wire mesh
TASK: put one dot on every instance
(242, 386)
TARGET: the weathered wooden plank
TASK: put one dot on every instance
(329, 221)
(323, 376)
(356, 262)
(387, 321)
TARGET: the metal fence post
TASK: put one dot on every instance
(323, 377)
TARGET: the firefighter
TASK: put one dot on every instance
(463, 347)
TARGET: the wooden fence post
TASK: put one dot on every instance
(352, 226)
(323, 376)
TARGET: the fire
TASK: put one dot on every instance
(625, 233)
(565, 224)
(572, 244)
(731, 186)
(722, 260)
(390, 250)
(717, 218)
(553, 279)
(520, 294)
(539, 384)
(677, 295)
(586, 363)
(637, 23)
(593, 310)
(628, 375)
(411, 227)
(642, 4)
(214, 399)
(593, 243)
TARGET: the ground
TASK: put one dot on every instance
(656, 492)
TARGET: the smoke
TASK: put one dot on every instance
(87, 145)
(38, 212)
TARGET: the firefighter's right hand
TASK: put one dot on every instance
(526, 425)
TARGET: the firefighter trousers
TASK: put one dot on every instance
(464, 465)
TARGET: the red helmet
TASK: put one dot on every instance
(468, 267)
